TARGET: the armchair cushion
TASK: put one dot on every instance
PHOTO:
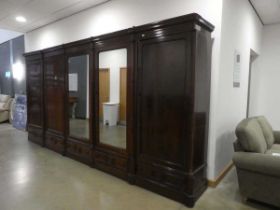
(4, 98)
(250, 136)
(267, 131)
(256, 162)
(274, 149)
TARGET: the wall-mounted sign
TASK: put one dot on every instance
(237, 69)
(73, 82)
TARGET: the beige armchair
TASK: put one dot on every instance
(257, 160)
(5, 101)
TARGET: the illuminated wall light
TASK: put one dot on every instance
(18, 71)
(8, 74)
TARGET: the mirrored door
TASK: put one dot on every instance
(78, 97)
(112, 97)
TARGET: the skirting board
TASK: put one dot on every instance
(214, 183)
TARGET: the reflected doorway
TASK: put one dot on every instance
(112, 97)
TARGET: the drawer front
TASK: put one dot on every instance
(35, 134)
(79, 151)
(55, 142)
(162, 177)
(111, 160)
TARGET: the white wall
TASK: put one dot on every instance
(265, 99)
(114, 60)
(240, 29)
(116, 15)
(6, 35)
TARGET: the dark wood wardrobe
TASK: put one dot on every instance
(76, 91)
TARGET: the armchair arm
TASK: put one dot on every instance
(258, 162)
(276, 136)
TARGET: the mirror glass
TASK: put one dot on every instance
(112, 97)
(78, 101)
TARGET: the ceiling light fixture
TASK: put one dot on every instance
(21, 19)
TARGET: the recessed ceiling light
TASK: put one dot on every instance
(21, 19)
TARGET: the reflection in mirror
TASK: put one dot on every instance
(78, 102)
(112, 97)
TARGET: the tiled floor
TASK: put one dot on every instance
(34, 178)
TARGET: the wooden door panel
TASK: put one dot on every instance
(54, 93)
(162, 119)
(34, 74)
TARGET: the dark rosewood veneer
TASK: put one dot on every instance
(168, 95)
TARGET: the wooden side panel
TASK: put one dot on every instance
(202, 95)
(35, 106)
(34, 71)
(201, 107)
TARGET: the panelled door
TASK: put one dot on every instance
(54, 99)
(163, 109)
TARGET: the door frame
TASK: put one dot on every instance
(108, 72)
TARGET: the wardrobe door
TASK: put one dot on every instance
(113, 102)
(164, 111)
(35, 106)
(54, 91)
(79, 68)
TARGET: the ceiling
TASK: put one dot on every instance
(268, 10)
(39, 12)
